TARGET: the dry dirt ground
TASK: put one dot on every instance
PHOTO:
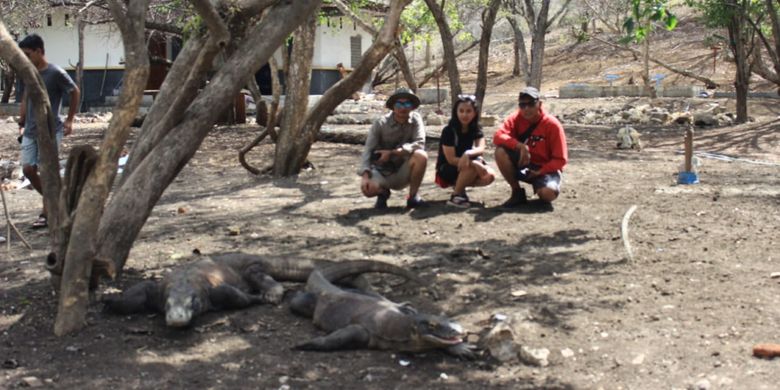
(688, 308)
(684, 312)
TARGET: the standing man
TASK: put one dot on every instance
(394, 155)
(57, 83)
(531, 147)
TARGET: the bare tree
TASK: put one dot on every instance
(488, 21)
(292, 152)
(447, 40)
(537, 17)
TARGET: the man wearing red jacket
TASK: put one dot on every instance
(531, 147)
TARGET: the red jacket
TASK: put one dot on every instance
(547, 142)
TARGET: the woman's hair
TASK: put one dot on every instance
(455, 122)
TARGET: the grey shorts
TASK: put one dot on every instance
(30, 149)
(394, 181)
(550, 180)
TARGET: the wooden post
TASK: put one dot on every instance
(689, 149)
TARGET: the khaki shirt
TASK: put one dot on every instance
(386, 133)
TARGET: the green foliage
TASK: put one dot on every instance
(645, 14)
(419, 24)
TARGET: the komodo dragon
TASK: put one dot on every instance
(366, 320)
(218, 282)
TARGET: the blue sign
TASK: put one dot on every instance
(611, 77)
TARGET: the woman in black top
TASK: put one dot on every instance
(460, 163)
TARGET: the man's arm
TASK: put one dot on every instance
(22, 113)
(372, 140)
(73, 106)
(418, 139)
(505, 134)
(559, 151)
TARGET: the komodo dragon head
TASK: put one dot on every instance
(181, 306)
(433, 332)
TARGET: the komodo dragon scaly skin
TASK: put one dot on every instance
(212, 283)
(364, 320)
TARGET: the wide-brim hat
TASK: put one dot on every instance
(402, 93)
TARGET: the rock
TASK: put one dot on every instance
(500, 342)
(429, 95)
(704, 119)
(31, 381)
(702, 384)
(774, 275)
(638, 359)
(534, 356)
(489, 120)
(567, 353)
(433, 119)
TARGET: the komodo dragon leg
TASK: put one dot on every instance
(144, 296)
(350, 337)
(271, 290)
(226, 296)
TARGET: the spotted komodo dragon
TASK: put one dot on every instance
(366, 320)
(220, 282)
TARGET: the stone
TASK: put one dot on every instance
(31, 381)
(430, 96)
(500, 342)
(567, 353)
(704, 119)
(489, 120)
(702, 384)
(534, 356)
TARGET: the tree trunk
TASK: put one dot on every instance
(336, 94)
(44, 117)
(520, 67)
(488, 20)
(9, 79)
(144, 186)
(296, 100)
(537, 45)
(80, 65)
(738, 44)
(450, 59)
(81, 245)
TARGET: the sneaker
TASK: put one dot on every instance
(517, 199)
(414, 202)
(381, 200)
(459, 200)
(40, 223)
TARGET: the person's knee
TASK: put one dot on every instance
(501, 154)
(419, 156)
(547, 194)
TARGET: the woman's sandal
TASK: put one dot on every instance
(40, 223)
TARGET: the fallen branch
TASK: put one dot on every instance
(624, 231)
(11, 225)
(709, 83)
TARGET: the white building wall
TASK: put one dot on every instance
(332, 43)
(62, 45)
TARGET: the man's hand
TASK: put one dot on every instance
(532, 174)
(384, 155)
(365, 184)
(525, 155)
(67, 127)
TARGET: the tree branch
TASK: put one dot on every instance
(709, 83)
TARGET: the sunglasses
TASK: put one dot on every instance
(527, 104)
(471, 98)
(406, 104)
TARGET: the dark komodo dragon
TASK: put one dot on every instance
(366, 320)
(218, 282)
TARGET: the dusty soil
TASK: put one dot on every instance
(685, 311)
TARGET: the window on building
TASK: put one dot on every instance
(48, 19)
(355, 50)
(67, 20)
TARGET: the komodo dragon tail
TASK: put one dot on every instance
(321, 278)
